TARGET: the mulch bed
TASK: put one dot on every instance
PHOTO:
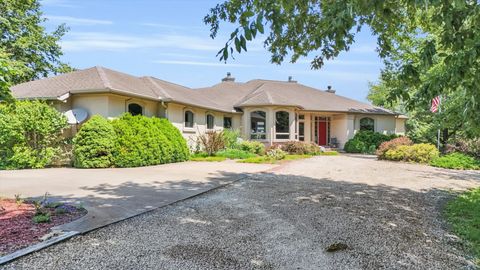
(17, 229)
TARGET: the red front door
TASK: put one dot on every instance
(322, 133)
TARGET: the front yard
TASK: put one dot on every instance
(348, 211)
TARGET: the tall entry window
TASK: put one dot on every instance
(135, 109)
(210, 121)
(282, 125)
(367, 123)
(188, 119)
(258, 125)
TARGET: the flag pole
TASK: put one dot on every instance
(438, 131)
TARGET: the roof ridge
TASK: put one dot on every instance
(169, 82)
(103, 77)
(160, 88)
(249, 95)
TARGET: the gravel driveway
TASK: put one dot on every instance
(285, 219)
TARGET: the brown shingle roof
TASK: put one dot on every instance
(225, 96)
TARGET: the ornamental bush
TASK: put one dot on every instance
(301, 148)
(276, 153)
(253, 147)
(385, 146)
(94, 144)
(456, 161)
(355, 146)
(180, 147)
(366, 142)
(31, 132)
(421, 153)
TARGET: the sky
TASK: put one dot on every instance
(167, 39)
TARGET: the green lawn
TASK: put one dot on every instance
(208, 158)
(267, 160)
(463, 213)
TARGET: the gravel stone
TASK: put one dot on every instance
(278, 220)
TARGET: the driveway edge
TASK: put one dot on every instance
(22, 252)
(67, 235)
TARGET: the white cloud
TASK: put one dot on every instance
(344, 62)
(58, 3)
(197, 63)
(352, 76)
(94, 41)
(77, 21)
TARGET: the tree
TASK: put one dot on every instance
(431, 47)
(26, 41)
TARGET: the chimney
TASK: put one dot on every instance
(290, 79)
(330, 90)
(229, 78)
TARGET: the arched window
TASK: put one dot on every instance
(282, 125)
(135, 109)
(367, 123)
(189, 119)
(210, 121)
(257, 125)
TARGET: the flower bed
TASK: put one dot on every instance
(18, 228)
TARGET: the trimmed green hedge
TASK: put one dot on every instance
(421, 153)
(94, 144)
(138, 141)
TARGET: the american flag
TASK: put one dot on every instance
(435, 104)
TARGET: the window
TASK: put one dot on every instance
(258, 120)
(189, 119)
(282, 125)
(367, 123)
(301, 131)
(227, 122)
(210, 121)
(135, 109)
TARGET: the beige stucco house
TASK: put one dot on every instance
(264, 110)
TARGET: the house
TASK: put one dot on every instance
(264, 110)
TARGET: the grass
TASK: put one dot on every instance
(463, 213)
(235, 154)
(208, 158)
(328, 153)
(268, 160)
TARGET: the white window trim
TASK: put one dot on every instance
(192, 128)
(250, 126)
(206, 121)
(275, 133)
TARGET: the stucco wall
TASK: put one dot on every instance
(384, 124)
(175, 113)
(400, 126)
(270, 122)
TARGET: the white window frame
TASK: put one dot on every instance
(252, 134)
(275, 126)
(192, 128)
(206, 121)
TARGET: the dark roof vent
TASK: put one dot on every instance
(290, 79)
(229, 78)
(330, 90)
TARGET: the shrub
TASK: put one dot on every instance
(234, 154)
(41, 218)
(231, 138)
(143, 141)
(366, 142)
(457, 161)
(398, 153)
(421, 153)
(253, 147)
(276, 153)
(30, 134)
(301, 148)
(94, 144)
(355, 146)
(212, 141)
(385, 146)
(467, 146)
